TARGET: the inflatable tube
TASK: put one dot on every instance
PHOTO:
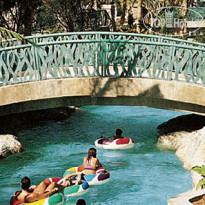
(74, 190)
(121, 143)
(54, 199)
(102, 175)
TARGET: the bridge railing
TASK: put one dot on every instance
(102, 54)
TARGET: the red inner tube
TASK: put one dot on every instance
(122, 141)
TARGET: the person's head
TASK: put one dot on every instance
(118, 132)
(25, 183)
(92, 153)
(81, 202)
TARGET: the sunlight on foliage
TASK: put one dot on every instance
(12, 37)
(200, 170)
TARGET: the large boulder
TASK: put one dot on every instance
(189, 146)
(186, 123)
(8, 145)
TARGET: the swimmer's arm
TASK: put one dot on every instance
(84, 161)
(98, 163)
(112, 138)
(32, 188)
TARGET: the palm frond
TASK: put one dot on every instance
(199, 170)
(201, 183)
(8, 35)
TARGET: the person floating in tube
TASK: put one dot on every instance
(91, 162)
(46, 188)
(118, 135)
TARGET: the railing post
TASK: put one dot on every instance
(102, 56)
(105, 58)
(171, 64)
(36, 61)
(96, 54)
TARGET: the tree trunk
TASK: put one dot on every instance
(139, 16)
(113, 17)
(184, 13)
(95, 5)
(184, 9)
(28, 20)
(122, 20)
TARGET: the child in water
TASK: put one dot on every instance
(91, 162)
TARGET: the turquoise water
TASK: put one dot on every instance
(144, 175)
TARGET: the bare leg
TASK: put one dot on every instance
(45, 187)
(51, 187)
(40, 189)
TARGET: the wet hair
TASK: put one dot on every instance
(25, 183)
(81, 202)
(91, 153)
(118, 132)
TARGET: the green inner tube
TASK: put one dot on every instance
(71, 190)
(67, 172)
(55, 199)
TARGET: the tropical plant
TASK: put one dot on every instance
(9, 38)
(199, 38)
(68, 13)
(8, 34)
(200, 170)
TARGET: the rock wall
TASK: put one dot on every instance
(187, 123)
(190, 148)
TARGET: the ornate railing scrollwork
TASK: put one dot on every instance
(69, 55)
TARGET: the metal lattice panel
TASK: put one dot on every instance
(102, 54)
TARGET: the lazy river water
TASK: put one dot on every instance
(144, 175)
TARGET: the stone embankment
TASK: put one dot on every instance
(186, 135)
(13, 124)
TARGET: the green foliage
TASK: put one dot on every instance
(199, 38)
(66, 13)
(201, 184)
(6, 34)
(200, 170)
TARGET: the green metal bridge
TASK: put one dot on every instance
(101, 68)
(104, 54)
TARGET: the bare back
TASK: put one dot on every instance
(22, 196)
(90, 166)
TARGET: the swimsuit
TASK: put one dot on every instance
(89, 167)
(14, 199)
